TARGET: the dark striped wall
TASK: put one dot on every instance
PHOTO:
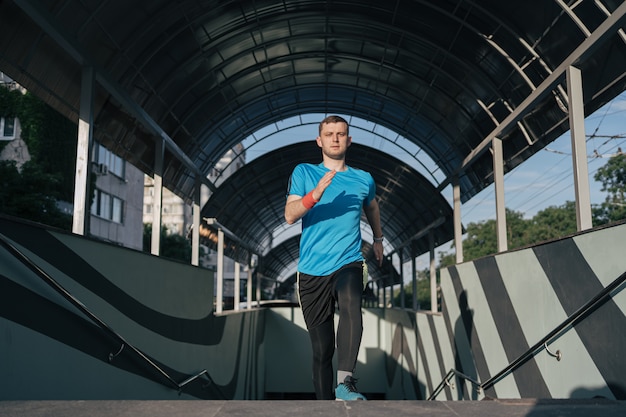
(493, 310)
(498, 307)
(51, 350)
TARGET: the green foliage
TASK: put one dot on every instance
(30, 195)
(423, 292)
(548, 224)
(9, 103)
(612, 176)
(50, 137)
(481, 238)
(173, 246)
(446, 259)
(553, 223)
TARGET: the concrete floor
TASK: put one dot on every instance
(494, 408)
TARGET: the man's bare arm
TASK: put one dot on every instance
(372, 212)
(295, 210)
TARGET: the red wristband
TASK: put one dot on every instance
(308, 201)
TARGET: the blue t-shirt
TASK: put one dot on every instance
(331, 232)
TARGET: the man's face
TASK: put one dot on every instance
(334, 140)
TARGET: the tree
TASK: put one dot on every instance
(51, 139)
(9, 102)
(553, 223)
(613, 178)
(423, 292)
(173, 246)
(481, 239)
(48, 177)
(30, 194)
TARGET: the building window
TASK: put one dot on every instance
(113, 163)
(107, 207)
(116, 210)
(7, 128)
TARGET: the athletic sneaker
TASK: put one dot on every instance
(346, 391)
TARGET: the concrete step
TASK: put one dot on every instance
(186, 408)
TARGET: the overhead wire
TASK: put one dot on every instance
(593, 159)
(558, 182)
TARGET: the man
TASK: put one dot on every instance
(329, 198)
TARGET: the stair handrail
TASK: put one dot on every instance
(100, 323)
(445, 382)
(541, 344)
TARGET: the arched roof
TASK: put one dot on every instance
(447, 75)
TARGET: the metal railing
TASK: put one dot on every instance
(574, 318)
(446, 382)
(78, 304)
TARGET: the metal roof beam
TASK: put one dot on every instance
(606, 29)
(432, 226)
(43, 20)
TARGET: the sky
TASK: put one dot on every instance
(546, 178)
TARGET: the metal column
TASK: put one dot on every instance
(80, 222)
(433, 272)
(579, 148)
(195, 228)
(414, 279)
(249, 288)
(236, 295)
(258, 289)
(498, 180)
(219, 296)
(401, 261)
(157, 198)
(458, 226)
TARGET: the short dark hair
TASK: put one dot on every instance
(334, 119)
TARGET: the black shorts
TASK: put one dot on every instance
(317, 294)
